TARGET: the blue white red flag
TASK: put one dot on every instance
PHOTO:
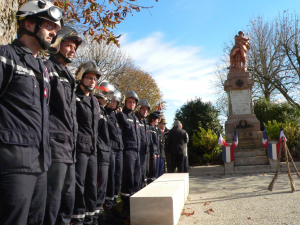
(273, 151)
(235, 139)
(265, 138)
(228, 153)
(221, 140)
(281, 134)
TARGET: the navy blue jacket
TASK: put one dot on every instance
(144, 129)
(63, 125)
(153, 142)
(24, 111)
(115, 132)
(130, 130)
(103, 143)
(88, 114)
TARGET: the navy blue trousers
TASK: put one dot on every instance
(22, 198)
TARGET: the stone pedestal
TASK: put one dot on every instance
(242, 118)
(240, 108)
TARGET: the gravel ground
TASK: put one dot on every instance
(241, 199)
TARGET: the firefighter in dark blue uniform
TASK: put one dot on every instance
(161, 137)
(88, 114)
(131, 158)
(63, 129)
(24, 116)
(153, 145)
(144, 150)
(103, 92)
(116, 158)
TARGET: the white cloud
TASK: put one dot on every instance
(182, 72)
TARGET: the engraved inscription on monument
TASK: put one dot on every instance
(240, 101)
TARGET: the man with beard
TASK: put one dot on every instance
(144, 150)
(63, 129)
(24, 115)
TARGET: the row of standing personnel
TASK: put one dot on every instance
(59, 146)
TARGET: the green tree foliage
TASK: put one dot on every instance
(266, 111)
(195, 115)
(205, 143)
(291, 131)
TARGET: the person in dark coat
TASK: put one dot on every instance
(132, 140)
(104, 92)
(116, 159)
(63, 129)
(25, 154)
(86, 167)
(144, 151)
(162, 130)
(177, 139)
(153, 119)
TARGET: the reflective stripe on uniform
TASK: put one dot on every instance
(53, 74)
(124, 194)
(19, 69)
(78, 99)
(116, 196)
(90, 213)
(97, 211)
(108, 198)
(80, 216)
(6, 61)
(64, 79)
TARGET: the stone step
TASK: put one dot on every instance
(246, 161)
(246, 144)
(250, 153)
(252, 169)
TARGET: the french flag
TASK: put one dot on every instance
(221, 140)
(265, 138)
(281, 134)
(273, 151)
(228, 153)
(235, 139)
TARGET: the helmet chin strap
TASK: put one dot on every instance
(67, 60)
(44, 44)
(141, 115)
(87, 88)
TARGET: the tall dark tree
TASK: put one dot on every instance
(195, 114)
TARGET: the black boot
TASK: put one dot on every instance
(113, 216)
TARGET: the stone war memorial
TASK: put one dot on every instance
(250, 152)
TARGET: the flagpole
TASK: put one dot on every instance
(271, 186)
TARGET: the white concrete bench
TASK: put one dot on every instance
(161, 202)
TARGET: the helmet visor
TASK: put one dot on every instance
(55, 13)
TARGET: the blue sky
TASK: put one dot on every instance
(180, 42)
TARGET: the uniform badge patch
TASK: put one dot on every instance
(46, 73)
(45, 93)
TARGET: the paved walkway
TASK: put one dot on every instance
(242, 199)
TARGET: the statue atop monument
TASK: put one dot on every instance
(238, 54)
